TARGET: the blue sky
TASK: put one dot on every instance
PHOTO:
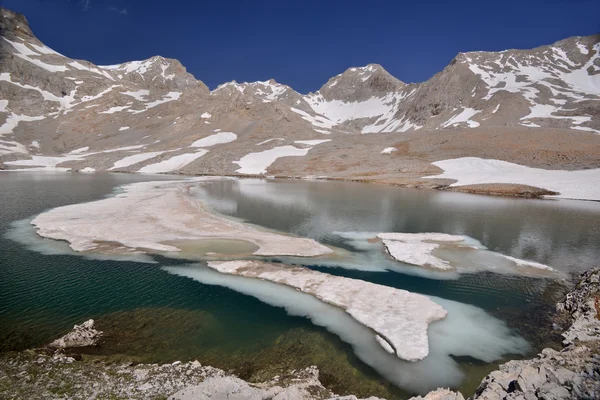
(301, 43)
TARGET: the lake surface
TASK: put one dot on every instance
(153, 316)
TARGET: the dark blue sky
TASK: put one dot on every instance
(301, 43)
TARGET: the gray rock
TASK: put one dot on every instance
(81, 336)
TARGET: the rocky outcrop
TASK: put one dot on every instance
(441, 394)
(298, 385)
(80, 336)
(30, 375)
(570, 373)
(52, 105)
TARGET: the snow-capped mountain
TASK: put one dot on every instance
(55, 110)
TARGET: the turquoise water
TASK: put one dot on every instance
(175, 318)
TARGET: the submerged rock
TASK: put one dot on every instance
(81, 336)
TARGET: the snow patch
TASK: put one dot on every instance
(134, 159)
(312, 142)
(473, 170)
(268, 140)
(464, 116)
(215, 139)
(172, 164)
(257, 163)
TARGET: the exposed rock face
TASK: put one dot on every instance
(81, 336)
(29, 375)
(571, 373)
(52, 105)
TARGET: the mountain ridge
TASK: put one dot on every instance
(52, 106)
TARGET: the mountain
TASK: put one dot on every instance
(154, 116)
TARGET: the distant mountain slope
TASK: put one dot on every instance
(147, 115)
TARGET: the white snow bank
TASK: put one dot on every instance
(445, 252)
(134, 159)
(123, 128)
(401, 318)
(79, 150)
(113, 110)
(206, 115)
(464, 116)
(8, 146)
(388, 150)
(579, 184)
(46, 162)
(312, 142)
(139, 95)
(257, 163)
(175, 215)
(268, 140)
(12, 121)
(171, 96)
(25, 53)
(172, 164)
(466, 331)
(217, 138)
(316, 120)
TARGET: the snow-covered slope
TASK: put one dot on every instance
(550, 86)
(51, 105)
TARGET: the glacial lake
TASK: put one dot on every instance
(151, 315)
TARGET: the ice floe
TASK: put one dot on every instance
(23, 232)
(430, 255)
(399, 317)
(473, 170)
(175, 215)
(466, 331)
(440, 251)
(417, 248)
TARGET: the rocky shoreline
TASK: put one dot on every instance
(54, 372)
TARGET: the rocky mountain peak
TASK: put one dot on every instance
(14, 24)
(156, 71)
(360, 83)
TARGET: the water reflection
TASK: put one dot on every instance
(561, 233)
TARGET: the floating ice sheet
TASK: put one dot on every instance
(466, 331)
